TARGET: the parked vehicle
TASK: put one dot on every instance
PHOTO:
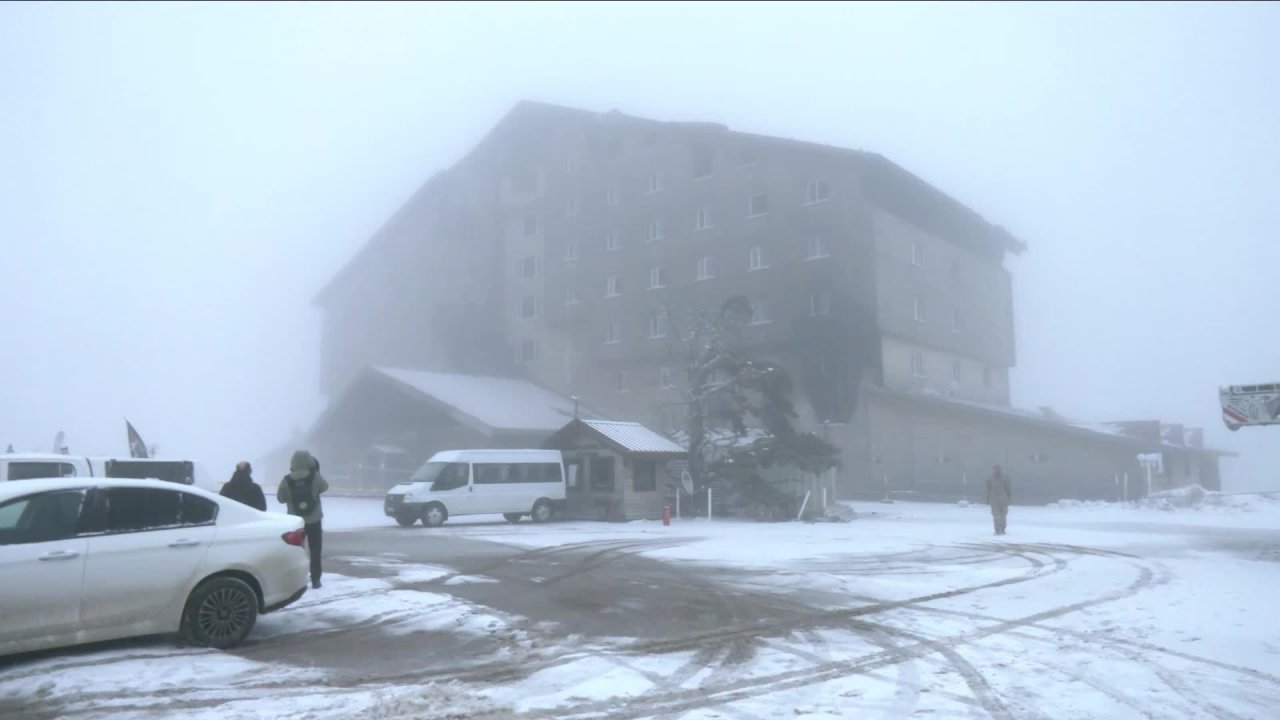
(88, 559)
(514, 483)
(25, 466)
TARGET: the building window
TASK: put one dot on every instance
(529, 308)
(657, 326)
(756, 259)
(917, 364)
(955, 269)
(758, 205)
(759, 312)
(611, 335)
(530, 226)
(602, 480)
(611, 196)
(666, 377)
(612, 286)
(703, 161)
(571, 165)
(703, 219)
(956, 372)
(571, 207)
(955, 321)
(620, 381)
(571, 251)
(820, 304)
(657, 278)
(529, 267)
(657, 182)
(917, 255)
(571, 295)
(612, 241)
(918, 309)
(656, 230)
(645, 476)
(986, 376)
(817, 191)
(817, 248)
(704, 269)
(747, 156)
(528, 352)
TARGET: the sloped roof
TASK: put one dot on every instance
(1119, 432)
(628, 438)
(492, 403)
(634, 437)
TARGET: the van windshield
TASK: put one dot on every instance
(442, 475)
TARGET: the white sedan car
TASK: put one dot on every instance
(90, 559)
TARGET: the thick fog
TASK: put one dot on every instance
(177, 181)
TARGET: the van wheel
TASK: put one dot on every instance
(541, 511)
(434, 515)
(406, 520)
(513, 518)
(220, 613)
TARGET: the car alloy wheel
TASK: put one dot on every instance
(222, 612)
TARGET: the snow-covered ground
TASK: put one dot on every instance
(910, 610)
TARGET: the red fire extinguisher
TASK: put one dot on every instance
(666, 514)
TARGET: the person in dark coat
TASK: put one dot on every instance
(999, 495)
(300, 492)
(243, 489)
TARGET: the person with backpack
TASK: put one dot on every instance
(243, 489)
(300, 492)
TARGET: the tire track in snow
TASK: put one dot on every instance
(684, 701)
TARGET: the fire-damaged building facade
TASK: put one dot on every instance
(569, 249)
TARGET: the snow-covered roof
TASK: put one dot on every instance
(634, 437)
(1048, 420)
(1171, 435)
(497, 403)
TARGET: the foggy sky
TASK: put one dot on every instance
(177, 181)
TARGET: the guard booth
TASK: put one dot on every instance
(614, 470)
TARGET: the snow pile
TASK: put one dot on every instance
(1195, 497)
(433, 701)
(1191, 496)
(837, 512)
(1080, 504)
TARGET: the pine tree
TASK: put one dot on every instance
(726, 390)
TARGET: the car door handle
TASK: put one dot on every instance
(184, 543)
(59, 555)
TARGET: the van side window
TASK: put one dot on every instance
(547, 473)
(32, 470)
(490, 473)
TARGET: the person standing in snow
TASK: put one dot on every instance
(243, 489)
(300, 492)
(999, 495)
